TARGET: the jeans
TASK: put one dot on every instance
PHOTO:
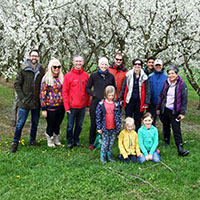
(131, 158)
(23, 114)
(77, 115)
(155, 158)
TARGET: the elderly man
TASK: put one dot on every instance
(156, 79)
(119, 71)
(27, 86)
(75, 100)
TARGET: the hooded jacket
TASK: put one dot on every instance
(27, 85)
(180, 101)
(144, 89)
(74, 95)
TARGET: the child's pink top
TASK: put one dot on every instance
(110, 120)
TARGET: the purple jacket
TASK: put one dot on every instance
(180, 102)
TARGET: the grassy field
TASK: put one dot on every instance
(37, 173)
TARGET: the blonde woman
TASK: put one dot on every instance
(52, 101)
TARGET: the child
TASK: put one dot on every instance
(128, 142)
(108, 120)
(148, 140)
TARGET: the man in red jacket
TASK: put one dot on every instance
(119, 71)
(75, 100)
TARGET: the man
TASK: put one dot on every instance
(119, 71)
(27, 86)
(150, 66)
(156, 79)
(75, 100)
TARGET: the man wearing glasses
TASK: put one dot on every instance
(27, 86)
(119, 71)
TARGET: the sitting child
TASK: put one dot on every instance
(128, 142)
(148, 140)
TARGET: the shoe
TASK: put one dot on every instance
(13, 148)
(78, 145)
(103, 158)
(69, 146)
(91, 147)
(181, 151)
(109, 156)
(50, 142)
(33, 143)
(56, 140)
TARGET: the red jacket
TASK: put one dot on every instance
(119, 74)
(74, 95)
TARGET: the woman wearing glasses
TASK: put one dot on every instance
(135, 92)
(52, 101)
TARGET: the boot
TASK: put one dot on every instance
(109, 156)
(49, 141)
(103, 158)
(56, 140)
(181, 151)
(13, 148)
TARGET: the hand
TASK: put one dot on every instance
(150, 157)
(44, 113)
(145, 106)
(69, 112)
(182, 116)
(99, 131)
(139, 155)
(158, 112)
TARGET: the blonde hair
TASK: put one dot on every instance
(129, 121)
(109, 89)
(48, 77)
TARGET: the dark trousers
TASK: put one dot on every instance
(54, 120)
(133, 107)
(93, 125)
(170, 119)
(75, 117)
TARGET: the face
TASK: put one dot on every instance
(78, 62)
(103, 66)
(137, 66)
(158, 68)
(150, 64)
(172, 76)
(34, 57)
(56, 67)
(118, 60)
(147, 122)
(129, 127)
(110, 96)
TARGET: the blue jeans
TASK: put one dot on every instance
(23, 114)
(156, 158)
(78, 116)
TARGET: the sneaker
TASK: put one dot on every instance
(13, 148)
(69, 146)
(78, 145)
(91, 147)
(33, 143)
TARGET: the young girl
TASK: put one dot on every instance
(148, 140)
(108, 120)
(52, 101)
(128, 142)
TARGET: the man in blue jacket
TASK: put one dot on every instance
(156, 79)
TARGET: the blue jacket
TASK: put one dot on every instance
(100, 116)
(157, 80)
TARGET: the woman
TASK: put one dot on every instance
(172, 104)
(52, 101)
(135, 92)
(95, 88)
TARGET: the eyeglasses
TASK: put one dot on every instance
(55, 67)
(139, 64)
(118, 59)
(34, 56)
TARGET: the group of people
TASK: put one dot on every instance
(111, 88)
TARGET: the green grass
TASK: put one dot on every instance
(36, 173)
